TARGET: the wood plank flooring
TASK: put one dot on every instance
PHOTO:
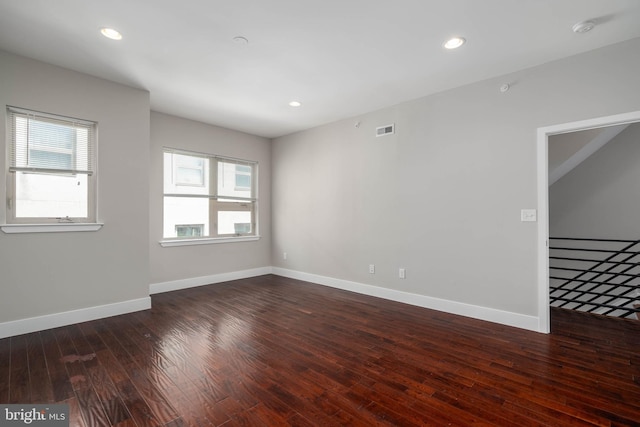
(271, 351)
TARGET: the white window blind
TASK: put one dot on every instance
(51, 173)
(43, 143)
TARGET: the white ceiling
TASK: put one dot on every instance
(340, 58)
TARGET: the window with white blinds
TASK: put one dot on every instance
(52, 168)
(50, 144)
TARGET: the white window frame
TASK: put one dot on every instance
(217, 202)
(17, 164)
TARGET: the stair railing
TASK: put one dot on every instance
(595, 275)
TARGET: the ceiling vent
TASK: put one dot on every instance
(386, 130)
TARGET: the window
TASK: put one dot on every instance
(243, 177)
(189, 170)
(208, 196)
(52, 173)
(192, 230)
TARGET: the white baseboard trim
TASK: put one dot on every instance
(474, 311)
(34, 324)
(175, 285)
(41, 323)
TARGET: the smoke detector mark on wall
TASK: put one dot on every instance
(386, 130)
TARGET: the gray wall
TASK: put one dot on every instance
(563, 146)
(50, 273)
(185, 262)
(601, 197)
(441, 197)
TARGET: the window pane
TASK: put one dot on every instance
(51, 145)
(55, 136)
(193, 230)
(234, 180)
(243, 177)
(185, 174)
(51, 196)
(242, 227)
(243, 181)
(48, 159)
(47, 144)
(189, 170)
(185, 210)
(234, 222)
(189, 176)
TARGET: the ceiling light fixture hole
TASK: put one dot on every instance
(111, 33)
(454, 43)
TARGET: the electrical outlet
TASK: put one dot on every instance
(402, 273)
(372, 269)
(284, 255)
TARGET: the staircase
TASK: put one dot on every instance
(600, 276)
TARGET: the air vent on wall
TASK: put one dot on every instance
(386, 130)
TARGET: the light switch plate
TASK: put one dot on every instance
(528, 215)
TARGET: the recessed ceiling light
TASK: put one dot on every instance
(295, 103)
(111, 33)
(241, 40)
(454, 43)
(583, 27)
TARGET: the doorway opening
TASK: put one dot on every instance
(543, 170)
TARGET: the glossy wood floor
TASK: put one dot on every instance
(271, 351)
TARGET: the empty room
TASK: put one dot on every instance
(306, 213)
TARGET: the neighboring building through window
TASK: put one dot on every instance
(208, 196)
(242, 227)
(188, 170)
(51, 168)
(243, 177)
(193, 230)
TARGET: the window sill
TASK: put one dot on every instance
(207, 241)
(49, 228)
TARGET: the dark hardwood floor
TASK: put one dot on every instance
(272, 351)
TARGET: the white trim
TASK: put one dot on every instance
(41, 323)
(453, 307)
(175, 285)
(544, 324)
(543, 198)
(50, 228)
(207, 241)
(617, 119)
(55, 320)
